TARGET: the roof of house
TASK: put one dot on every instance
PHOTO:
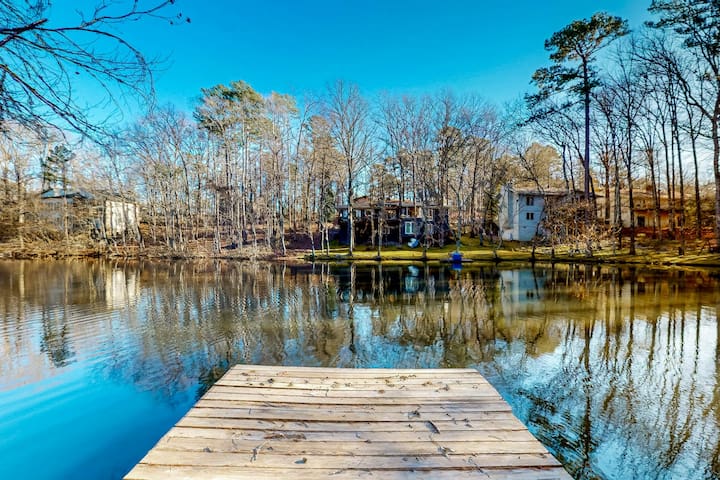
(548, 192)
(77, 193)
(71, 193)
(365, 202)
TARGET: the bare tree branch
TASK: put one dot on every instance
(40, 62)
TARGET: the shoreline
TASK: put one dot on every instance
(470, 256)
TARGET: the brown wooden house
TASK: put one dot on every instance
(400, 221)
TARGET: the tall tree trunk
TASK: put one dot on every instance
(565, 170)
(281, 231)
(666, 145)
(617, 217)
(473, 192)
(715, 129)
(20, 188)
(244, 192)
(380, 229)
(681, 220)
(66, 219)
(655, 193)
(216, 230)
(631, 200)
(672, 190)
(586, 155)
(351, 213)
(698, 206)
(401, 195)
(606, 190)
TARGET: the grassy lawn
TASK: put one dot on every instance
(666, 253)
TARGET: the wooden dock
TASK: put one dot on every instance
(261, 422)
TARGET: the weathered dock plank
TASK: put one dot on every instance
(264, 422)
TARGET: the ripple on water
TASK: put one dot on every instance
(98, 361)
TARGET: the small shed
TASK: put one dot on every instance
(120, 215)
(107, 214)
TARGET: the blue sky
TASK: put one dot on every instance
(488, 47)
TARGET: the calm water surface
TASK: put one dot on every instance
(617, 371)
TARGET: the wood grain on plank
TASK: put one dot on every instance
(353, 437)
(164, 472)
(376, 462)
(265, 422)
(296, 445)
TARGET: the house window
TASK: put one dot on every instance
(529, 201)
(409, 228)
(641, 221)
(530, 215)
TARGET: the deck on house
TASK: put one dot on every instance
(262, 422)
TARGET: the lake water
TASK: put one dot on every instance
(616, 371)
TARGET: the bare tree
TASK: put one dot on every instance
(278, 137)
(407, 133)
(325, 163)
(697, 24)
(18, 148)
(626, 84)
(41, 59)
(348, 116)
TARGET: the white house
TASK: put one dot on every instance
(521, 211)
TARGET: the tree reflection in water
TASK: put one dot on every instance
(615, 370)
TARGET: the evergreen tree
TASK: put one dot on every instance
(573, 50)
(54, 168)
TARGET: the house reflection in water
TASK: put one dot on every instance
(121, 287)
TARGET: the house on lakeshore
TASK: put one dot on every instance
(102, 214)
(646, 220)
(521, 211)
(401, 221)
